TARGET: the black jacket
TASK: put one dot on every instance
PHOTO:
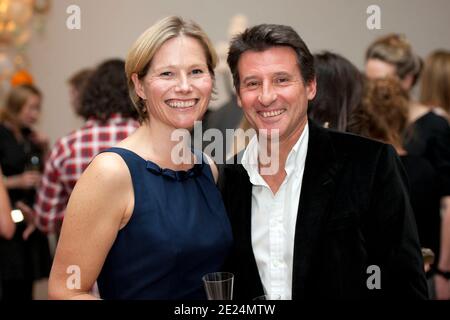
(354, 212)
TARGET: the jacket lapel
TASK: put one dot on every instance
(318, 187)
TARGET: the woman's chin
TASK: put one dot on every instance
(185, 124)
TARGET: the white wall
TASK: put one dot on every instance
(109, 27)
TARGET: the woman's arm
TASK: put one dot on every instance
(7, 226)
(26, 180)
(98, 208)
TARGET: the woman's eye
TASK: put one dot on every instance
(166, 74)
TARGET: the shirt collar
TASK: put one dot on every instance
(297, 156)
(250, 162)
(295, 160)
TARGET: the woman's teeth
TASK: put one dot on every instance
(181, 104)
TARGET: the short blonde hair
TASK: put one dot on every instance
(144, 49)
(435, 85)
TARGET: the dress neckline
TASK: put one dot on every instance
(177, 175)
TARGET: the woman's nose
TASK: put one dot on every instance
(183, 84)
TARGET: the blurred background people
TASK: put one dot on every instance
(339, 90)
(383, 115)
(435, 83)
(26, 257)
(110, 117)
(427, 135)
(7, 226)
(435, 93)
(76, 85)
(227, 115)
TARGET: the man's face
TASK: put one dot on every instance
(272, 92)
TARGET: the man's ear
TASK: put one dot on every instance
(138, 87)
(311, 89)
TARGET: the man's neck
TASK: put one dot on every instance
(279, 152)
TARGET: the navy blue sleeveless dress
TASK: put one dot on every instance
(178, 232)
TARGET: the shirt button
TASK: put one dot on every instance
(276, 263)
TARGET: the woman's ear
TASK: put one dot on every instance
(138, 87)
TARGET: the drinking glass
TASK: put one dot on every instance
(219, 285)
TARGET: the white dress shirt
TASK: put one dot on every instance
(274, 217)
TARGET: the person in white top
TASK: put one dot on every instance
(332, 217)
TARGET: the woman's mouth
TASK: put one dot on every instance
(181, 104)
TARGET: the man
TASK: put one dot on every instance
(334, 221)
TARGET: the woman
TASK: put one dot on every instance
(428, 134)
(145, 224)
(339, 89)
(383, 115)
(435, 83)
(26, 257)
(435, 93)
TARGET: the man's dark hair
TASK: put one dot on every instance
(106, 93)
(266, 36)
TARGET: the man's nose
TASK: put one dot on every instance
(267, 95)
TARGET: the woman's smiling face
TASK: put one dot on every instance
(178, 84)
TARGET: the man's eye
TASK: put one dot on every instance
(281, 80)
(197, 71)
(251, 84)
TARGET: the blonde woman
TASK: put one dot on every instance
(435, 83)
(428, 134)
(143, 224)
(26, 257)
(435, 93)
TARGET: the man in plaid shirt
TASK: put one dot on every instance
(110, 116)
